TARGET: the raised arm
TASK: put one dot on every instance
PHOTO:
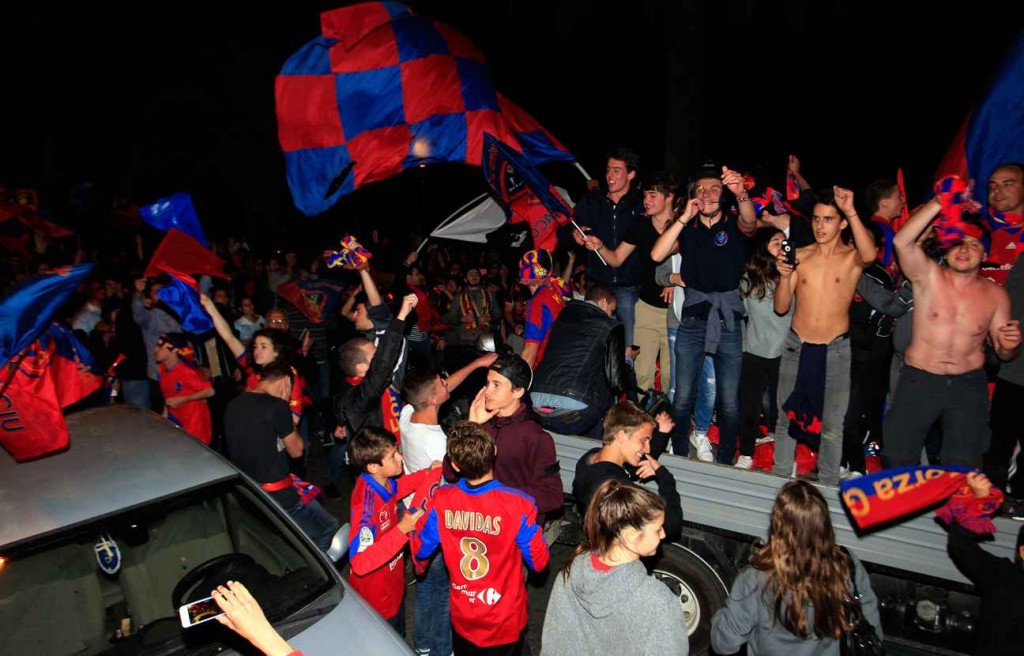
(668, 242)
(223, 327)
(748, 215)
(794, 168)
(461, 375)
(787, 285)
(862, 239)
(914, 263)
(370, 287)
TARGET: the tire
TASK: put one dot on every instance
(700, 590)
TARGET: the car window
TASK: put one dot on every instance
(114, 585)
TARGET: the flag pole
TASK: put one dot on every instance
(586, 175)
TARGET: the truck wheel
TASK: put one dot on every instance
(697, 586)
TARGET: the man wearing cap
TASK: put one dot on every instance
(526, 453)
(943, 377)
(713, 244)
(544, 306)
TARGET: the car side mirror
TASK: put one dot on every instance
(339, 544)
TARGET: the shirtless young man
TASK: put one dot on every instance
(955, 310)
(823, 284)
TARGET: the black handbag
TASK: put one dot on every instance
(861, 639)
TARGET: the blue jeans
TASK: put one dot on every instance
(689, 368)
(706, 394)
(136, 392)
(432, 627)
(626, 297)
(672, 358)
(315, 522)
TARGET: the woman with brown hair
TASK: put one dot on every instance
(604, 602)
(791, 598)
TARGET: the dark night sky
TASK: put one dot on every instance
(163, 98)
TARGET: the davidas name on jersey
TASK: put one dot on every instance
(467, 520)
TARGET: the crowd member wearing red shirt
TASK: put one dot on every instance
(376, 550)
(485, 530)
(544, 306)
(184, 388)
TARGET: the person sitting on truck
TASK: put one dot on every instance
(604, 602)
(791, 598)
(627, 456)
(999, 582)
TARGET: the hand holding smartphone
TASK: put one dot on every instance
(198, 612)
(789, 251)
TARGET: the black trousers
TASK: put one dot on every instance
(757, 375)
(869, 383)
(1007, 432)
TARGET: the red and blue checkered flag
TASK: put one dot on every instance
(382, 90)
(524, 193)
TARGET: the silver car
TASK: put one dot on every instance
(101, 544)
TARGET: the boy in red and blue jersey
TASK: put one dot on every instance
(378, 538)
(184, 388)
(485, 531)
(545, 304)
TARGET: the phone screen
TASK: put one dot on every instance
(199, 611)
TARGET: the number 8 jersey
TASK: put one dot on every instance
(484, 532)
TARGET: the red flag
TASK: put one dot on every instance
(31, 421)
(179, 252)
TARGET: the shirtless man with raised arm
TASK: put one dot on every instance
(955, 310)
(822, 284)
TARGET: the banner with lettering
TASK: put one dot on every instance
(893, 493)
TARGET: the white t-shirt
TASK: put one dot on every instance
(422, 444)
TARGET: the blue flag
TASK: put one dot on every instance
(27, 310)
(175, 211)
(183, 298)
(523, 192)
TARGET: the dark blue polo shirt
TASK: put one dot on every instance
(712, 258)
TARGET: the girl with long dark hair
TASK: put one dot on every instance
(604, 602)
(764, 335)
(790, 600)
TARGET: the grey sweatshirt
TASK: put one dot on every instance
(747, 618)
(623, 611)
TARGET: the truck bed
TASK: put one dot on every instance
(739, 501)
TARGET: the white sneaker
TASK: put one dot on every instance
(701, 442)
(744, 462)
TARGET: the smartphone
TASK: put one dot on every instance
(198, 612)
(789, 250)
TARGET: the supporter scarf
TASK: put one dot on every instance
(972, 513)
(351, 256)
(895, 493)
(955, 197)
(474, 311)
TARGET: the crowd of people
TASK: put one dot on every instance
(443, 373)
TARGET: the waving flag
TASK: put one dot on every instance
(182, 296)
(181, 252)
(993, 132)
(381, 91)
(50, 374)
(27, 310)
(316, 299)
(176, 211)
(524, 193)
(893, 493)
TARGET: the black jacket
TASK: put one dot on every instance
(585, 358)
(358, 405)
(590, 475)
(610, 223)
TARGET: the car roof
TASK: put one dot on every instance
(120, 456)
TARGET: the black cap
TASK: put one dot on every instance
(515, 369)
(709, 169)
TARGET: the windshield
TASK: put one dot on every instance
(115, 585)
